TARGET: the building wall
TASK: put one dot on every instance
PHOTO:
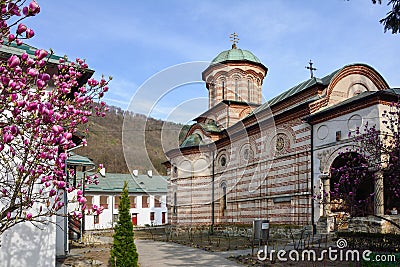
(327, 148)
(106, 218)
(27, 245)
(260, 181)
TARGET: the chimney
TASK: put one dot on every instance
(103, 172)
(150, 173)
(135, 173)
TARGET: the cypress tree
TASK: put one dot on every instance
(123, 251)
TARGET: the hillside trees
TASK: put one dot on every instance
(106, 145)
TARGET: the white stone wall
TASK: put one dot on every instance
(27, 245)
(327, 148)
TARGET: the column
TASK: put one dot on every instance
(326, 198)
(378, 199)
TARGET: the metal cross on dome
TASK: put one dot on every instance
(234, 39)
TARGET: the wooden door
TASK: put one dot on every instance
(134, 218)
(163, 217)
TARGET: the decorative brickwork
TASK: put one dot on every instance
(259, 166)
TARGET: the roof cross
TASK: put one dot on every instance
(234, 39)
(311, 68)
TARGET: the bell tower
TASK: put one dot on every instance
(234, 78)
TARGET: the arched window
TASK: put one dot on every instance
(236, 89)
(248, 90)
(223, 90)
(213, 94)
(175, 209)
(224, 200)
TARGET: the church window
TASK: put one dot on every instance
(213, 93)
(280, 143)
(223, 90)
(246, 154)
(248, 91)
(222, 161)
(224, 200)
(236, 89)
(338, 135)
(175, 170)
(175, 209)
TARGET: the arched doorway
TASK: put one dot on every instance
(391, 183)
(351, 186)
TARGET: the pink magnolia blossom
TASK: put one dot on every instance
(21, 29)
(29, 33)
(13, 61)
(11, 37)
(40, 83)
(13, 9)
(31, 10)
(42, 122)
(33, 72)
(40, 54)
(82, 200)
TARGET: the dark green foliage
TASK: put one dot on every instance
(392, 20)
(372, 241)
(123, 251)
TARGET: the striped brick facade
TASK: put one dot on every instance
(260, 183)
(263, 165)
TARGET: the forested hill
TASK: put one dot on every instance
(105, 141)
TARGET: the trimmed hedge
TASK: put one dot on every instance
(372, 241)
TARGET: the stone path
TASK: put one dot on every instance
(154, 254)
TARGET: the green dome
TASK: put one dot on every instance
(192, 140)
(235, 54)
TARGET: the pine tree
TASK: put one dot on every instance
(123, 251)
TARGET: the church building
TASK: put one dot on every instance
(244, 159)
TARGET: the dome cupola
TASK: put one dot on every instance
(235, 75)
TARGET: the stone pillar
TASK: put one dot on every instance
(379, 208)
(326, 199)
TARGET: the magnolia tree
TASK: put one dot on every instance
(376, 152)
(39, 116)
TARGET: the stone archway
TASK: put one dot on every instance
(351, 185)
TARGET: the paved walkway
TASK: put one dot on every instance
(154, 254)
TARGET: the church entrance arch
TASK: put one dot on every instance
(351, 186)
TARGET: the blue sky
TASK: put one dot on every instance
(134, 40)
